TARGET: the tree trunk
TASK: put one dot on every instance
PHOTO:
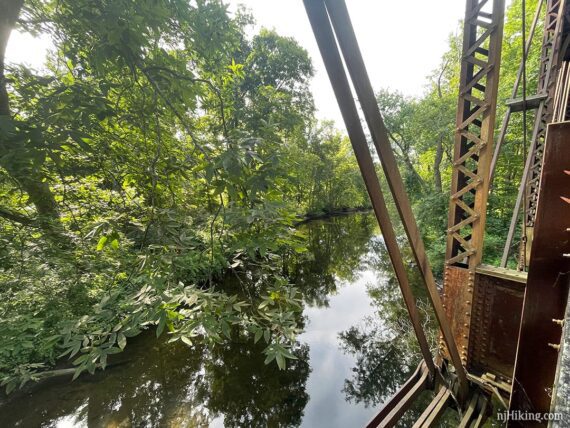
(437, 166)
(10, 12)
(31, 181)
(404, 155)
(439, 150)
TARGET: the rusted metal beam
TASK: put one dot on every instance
(510, 108)
(333, 63)
(476, 110)
(529, 103)
(548, 280)
(523, 185)
(435, 409)
(402, 400)
(549, 66)
(495, 323)
(474, 135)
(476, 413)
(417, 378)
(553, 26)
(348, 43)
(469, 412)
(561, 94)
(478, 87)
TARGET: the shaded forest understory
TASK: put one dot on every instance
(167, 146)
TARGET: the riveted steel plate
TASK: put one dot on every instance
(548, 278)
(495, 323)
(457, 299)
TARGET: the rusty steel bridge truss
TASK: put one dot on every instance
(497, 331)
(542, 103)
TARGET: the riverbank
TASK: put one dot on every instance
(56, 367)
(157, 383)
(333, 213)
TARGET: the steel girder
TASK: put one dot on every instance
(528, 189)
(482, 41)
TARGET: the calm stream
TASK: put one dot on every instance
(355, 351)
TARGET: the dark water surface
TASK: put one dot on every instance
(355, 351)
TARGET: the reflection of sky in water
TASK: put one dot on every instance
(73, 421)
(327, 406)
(161, 384)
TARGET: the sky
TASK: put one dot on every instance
(401, 41)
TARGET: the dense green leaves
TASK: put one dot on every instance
(159, 147)
(162, 146)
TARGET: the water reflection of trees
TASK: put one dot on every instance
(153, 386)
(171, 385)
(250, 393)
(384, 345)
(335, 250)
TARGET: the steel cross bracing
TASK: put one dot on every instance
(483, 33)
(528, 188)
(507, 117)
(549, 65)
(476, 112)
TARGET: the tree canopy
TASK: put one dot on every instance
(165, 146)
(159, 147)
